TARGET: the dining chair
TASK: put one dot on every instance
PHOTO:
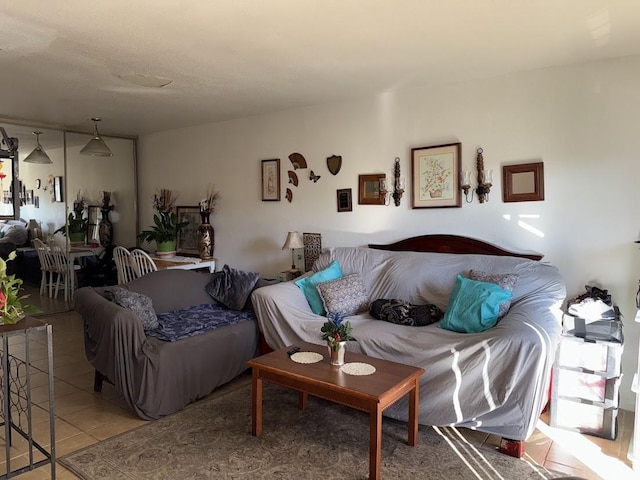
(66, 271)
(142, 263)
(124, 265)
(47, 266)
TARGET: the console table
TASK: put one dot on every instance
(16, 407)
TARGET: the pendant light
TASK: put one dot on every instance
(38, 155)
(96, 146)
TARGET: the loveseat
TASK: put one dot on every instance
(495, 381)
(156, 376)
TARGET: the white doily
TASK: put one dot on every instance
(306, 357)
(357, 368)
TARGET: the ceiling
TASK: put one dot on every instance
(61, 61)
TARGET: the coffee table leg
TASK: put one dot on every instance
(412, 424)
(303, 400)
(375, 442)
(256, 404)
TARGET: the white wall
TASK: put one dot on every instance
(581, 121)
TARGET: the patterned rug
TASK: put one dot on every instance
(212, 439)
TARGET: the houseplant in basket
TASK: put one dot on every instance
(166, 226)
(336, 332)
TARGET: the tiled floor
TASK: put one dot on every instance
(84, 417)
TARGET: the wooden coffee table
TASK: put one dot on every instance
(369, 393)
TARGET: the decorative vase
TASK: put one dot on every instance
(336, 354)
(166, 249)
(105, 228)
(206, 237)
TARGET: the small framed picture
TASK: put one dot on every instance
(436, 176)
(344, 200)
(29, 197)
(57, 189)
(271, 180)
(187, 241)
(36, 201)
(369, 189)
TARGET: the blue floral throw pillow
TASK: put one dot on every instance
(309, 284)
(474, 306)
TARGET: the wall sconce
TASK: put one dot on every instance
(484, 180)
(398, 186)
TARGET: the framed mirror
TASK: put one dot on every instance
(523, 183)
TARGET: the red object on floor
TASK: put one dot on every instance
(264, 347)
(513, 448)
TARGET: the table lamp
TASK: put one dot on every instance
(293, 241)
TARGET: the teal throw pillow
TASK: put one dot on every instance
(308, 285)
(474, 306)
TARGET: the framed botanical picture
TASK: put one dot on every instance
(271, 180)
(436, 176)
(369, 189)
(187, 241)
(344, 200)
(57, 189)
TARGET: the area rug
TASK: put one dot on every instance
(212, 439)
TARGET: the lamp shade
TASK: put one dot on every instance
(96, 146)
(294, 240)
(38, 155)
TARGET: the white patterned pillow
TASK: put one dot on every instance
(347, 295)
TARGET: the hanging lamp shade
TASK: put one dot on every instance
(38, 155)
(96, 146)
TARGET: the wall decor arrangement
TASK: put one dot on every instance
(297, 160)
(293, 178)
(313, 177)
(344, 200)
(289, 195)
(271, 180)
(523, 183)
(369, 189)
(187, 240)
(334, 164)
(436, 174)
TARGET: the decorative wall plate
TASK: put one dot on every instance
(334, 163)
(297, 160)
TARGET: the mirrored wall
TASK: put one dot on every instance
(45, 193)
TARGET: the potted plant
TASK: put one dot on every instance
(166, 227)
(76, 223)
(336, 332)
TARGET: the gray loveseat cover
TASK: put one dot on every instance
(495, 381)
(155, 377)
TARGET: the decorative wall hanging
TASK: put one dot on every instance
(436, 174)
(293, 178)
(313, 177)
(484, 180)
(57, 189)
(334, 164)
(398, 186)
(271, 180)
(523, 183)
(298, 161)
(369, 189)
(312, 249)
(344, 200)
(289, 195)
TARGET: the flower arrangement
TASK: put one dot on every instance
(11, 308)
(336, 330)
(166, 226)
(435, 176)
(106, 201)
(208, 204)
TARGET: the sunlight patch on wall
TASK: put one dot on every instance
(524, 224)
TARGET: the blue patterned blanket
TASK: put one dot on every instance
(195, 320)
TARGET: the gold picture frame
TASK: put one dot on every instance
(436, 176)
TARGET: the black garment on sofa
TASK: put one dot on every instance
(405, 313)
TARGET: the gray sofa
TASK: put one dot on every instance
(495, 381)
(157, 377)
